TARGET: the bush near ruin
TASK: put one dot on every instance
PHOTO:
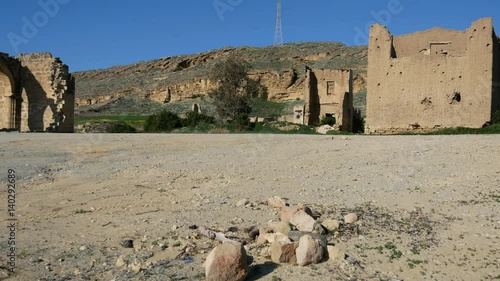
(235, 88)
(165, 121)
(121, 128)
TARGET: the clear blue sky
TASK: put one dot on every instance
(90, 34)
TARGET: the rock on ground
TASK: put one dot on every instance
(334, 253)
(309, 251)
(226, 262)
(288, 212)
(280, 226)
(351, 218)
(305, 222)
(331, 225)
(276, 202)
(283, 252)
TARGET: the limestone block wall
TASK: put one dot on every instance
(329, 92)
(48, 94)
(432, 79)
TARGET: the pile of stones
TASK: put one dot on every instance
(298, 238)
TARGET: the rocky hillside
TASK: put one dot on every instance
(170, 79)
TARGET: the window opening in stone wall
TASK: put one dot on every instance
(330, 88)
(440, 48)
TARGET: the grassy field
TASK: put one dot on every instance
(492, 129)
(129, 119)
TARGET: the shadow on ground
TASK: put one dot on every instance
(260, 270)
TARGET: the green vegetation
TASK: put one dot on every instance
(359, 101)
(394, 253)
(232, 97)
(413, 263)
(264, 108)
(121, 128)
(328, 120)
(129, 119)
(194, 119)
(492, 129)
(496, 117)
(164, 121)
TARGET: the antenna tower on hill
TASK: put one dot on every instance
(278, 34)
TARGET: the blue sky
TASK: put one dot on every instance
(91, 34)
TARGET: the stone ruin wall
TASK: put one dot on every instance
(432, 79)
(329, 92)
(43, 95)
(49, 90)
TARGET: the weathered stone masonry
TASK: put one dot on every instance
(329, 93)
(432, 79)
(37, 94)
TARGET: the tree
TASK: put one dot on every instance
(235, 88)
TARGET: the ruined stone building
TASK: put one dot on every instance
(37, 94)
(432, 79)
(328, 93)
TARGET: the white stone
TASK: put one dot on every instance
(276, 202)
(334, 253)
(304, 222)
(331, 225)
(309, 251)
(242, 203)
(351, 218)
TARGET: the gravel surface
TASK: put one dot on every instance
(428, 205)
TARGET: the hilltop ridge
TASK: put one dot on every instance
(176, 78)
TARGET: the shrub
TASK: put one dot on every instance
(328, 120)
(164, 121)
(358, 125)
(496, 117)
(241, 122)
(235, 89)
(194, 119)
(121, 128)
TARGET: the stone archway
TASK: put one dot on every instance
(7, 102)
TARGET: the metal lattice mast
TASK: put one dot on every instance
(278, 34)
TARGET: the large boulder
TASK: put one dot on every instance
(309, 251)
(227, 262)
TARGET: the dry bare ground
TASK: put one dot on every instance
(428, 204)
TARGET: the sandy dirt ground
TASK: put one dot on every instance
(428, 205)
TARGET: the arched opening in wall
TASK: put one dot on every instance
(7, 104)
